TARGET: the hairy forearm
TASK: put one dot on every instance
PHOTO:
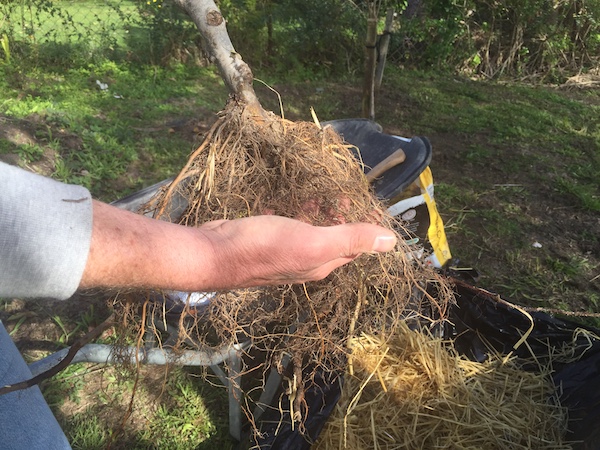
(133, 251)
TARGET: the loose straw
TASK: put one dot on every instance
(438, 399)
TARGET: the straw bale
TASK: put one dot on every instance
(414, 391)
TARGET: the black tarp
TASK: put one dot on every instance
(479, 322)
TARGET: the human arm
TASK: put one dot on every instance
(129, 250)
(50, 246)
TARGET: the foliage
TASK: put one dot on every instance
(58, 30)
(164, 33)
(502, 37)
(432, 39)
(148, 31)
(5, 44)
(297, 39)
(551, 39)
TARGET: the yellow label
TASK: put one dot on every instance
(435, 233)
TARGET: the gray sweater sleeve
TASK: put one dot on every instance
(45, 234)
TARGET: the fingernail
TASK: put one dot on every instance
(384, 243)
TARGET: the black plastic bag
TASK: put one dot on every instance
(478, 320)
(481, 319)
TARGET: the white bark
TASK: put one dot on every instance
(212, 26)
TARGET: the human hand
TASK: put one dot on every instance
(269, 250)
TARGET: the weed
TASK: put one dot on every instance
(87, 433)
(30, 153)
(478, 154)
(66, 385)
(569, 268)
(5, 44)
(88, 319)
(594, 300)
(501, 225)
(20, 321)
(587, 195)
(66, 335)
(61, 171)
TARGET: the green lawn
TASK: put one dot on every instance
(63, 22)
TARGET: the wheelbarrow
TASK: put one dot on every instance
(371, 146)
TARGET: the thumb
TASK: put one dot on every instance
(352, 239)
(384, 242)
(365, 238)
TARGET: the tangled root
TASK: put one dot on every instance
(251, 165)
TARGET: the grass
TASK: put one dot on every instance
(98, 139)
(514, 165)
(70, 21)
(172, 412)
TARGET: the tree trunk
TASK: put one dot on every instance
(383, 47)
(235, 72)
(368, 99)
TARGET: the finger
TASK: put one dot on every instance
(308, 211)
(352, 241)
(356, 238)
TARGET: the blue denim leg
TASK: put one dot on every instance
(26, 421)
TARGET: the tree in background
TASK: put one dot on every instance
(549, 39)
(545, 38)
(298, 39)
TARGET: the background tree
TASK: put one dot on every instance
(235, 72)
